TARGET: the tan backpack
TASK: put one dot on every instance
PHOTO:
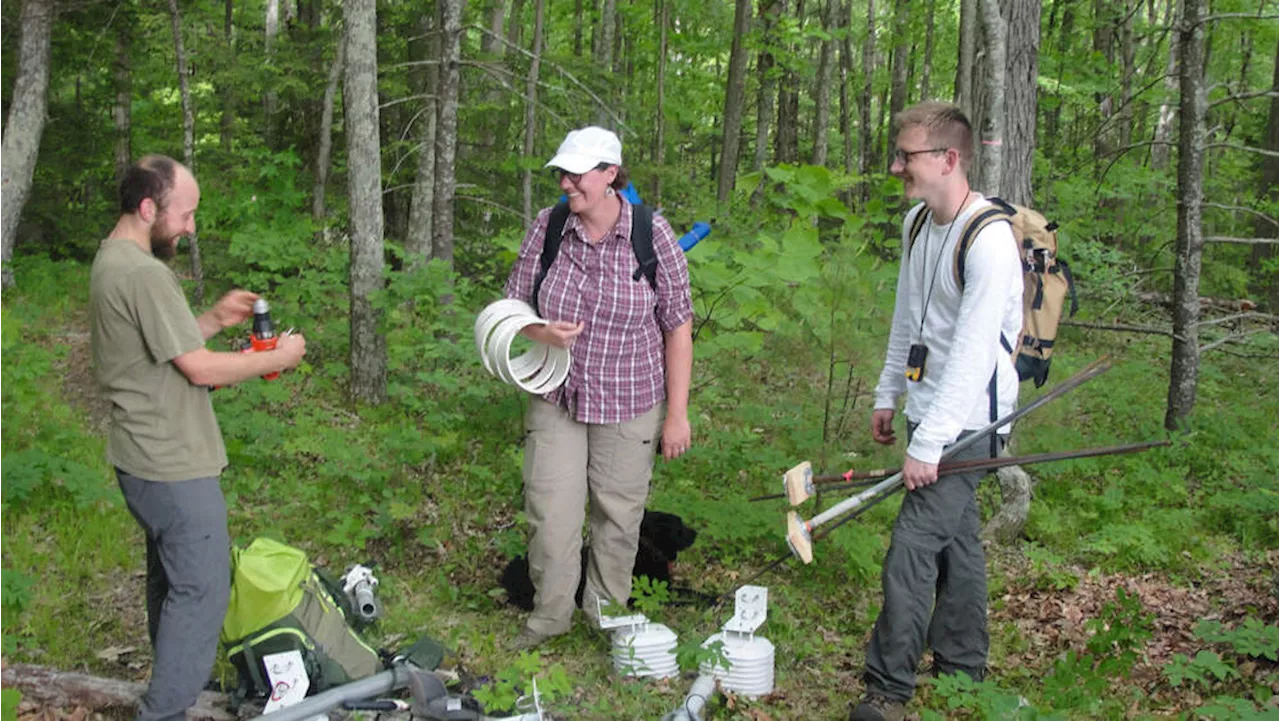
(1046, 280)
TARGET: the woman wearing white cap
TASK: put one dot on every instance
(594, 439)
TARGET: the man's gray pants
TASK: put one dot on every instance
(188, 585)
(935, 551)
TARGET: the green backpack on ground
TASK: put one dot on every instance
(280, 602)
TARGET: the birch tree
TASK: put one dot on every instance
(25, 124)
(418, 239)
(990, 157)
(364, 188)
(188, 142)
(447, 131)
(325, 146)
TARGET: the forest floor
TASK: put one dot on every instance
(820, 616)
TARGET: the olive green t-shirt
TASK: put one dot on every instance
(162, 426)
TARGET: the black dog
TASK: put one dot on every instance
(662, 536)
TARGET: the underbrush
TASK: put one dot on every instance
(427, 487)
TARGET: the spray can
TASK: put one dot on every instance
(263, 337)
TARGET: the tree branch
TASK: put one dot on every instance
(560, 69)
(1239, 316)
(1235, 97)
(1235, 16)
(1251, 211)
(1233, 338)
(1249, 148)
(1119, 327)
(1241, 241)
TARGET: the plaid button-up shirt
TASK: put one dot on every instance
(618, 370)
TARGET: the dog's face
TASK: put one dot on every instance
(667, 531)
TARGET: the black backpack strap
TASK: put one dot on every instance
(1000, 210)
(550, 248)
(1071, 284)
(642, 244)
(916, 224)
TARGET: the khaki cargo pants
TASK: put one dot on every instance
(567, 464)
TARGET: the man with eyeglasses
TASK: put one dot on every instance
(948, 354)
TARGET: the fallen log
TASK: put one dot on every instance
(51, 687)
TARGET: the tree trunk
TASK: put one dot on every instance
(188, 142)
(364, 188)
(660, 118)
(604, 57)
(846, 72)
(578, 20)
(325, 151)
(1020, 102)
(926, 70)
(1190, 240)
(271, 25)
(490, 45)
(530, 109)
(768, 12)
(1128, 48)
(734, 97)
(787, 140)
(25, 124)
(865, 137)
(1269, 176)
(822, 94)
(418, 239)
(991, 159)
(226, 123)
(122, 111)
(53, 689)
(967, 53)
(447, 130)
(1007, 523)
(1164, 122)
(1104, 45)
(515, 28)
(898, 72)
(1053, 118)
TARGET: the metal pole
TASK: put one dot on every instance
(891, 483)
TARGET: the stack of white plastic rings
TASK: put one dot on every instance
(540, 370)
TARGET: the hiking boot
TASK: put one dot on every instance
(527, 639)
(875, 707)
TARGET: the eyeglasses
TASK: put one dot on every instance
(904, 156)
(575, 177)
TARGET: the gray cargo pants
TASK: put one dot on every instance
(188, 585)
(935, 585)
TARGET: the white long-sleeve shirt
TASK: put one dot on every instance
(962, 330)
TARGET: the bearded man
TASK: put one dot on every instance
(164, 441)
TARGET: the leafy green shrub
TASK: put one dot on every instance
(983, 700)
(1206, 668)
(1250, 638)
(517, 680)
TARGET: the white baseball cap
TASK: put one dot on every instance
(586, 148)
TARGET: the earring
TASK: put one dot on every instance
(610, 192)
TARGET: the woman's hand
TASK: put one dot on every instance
(558, 333)
(676, 436)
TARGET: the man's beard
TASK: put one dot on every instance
(163, 248)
